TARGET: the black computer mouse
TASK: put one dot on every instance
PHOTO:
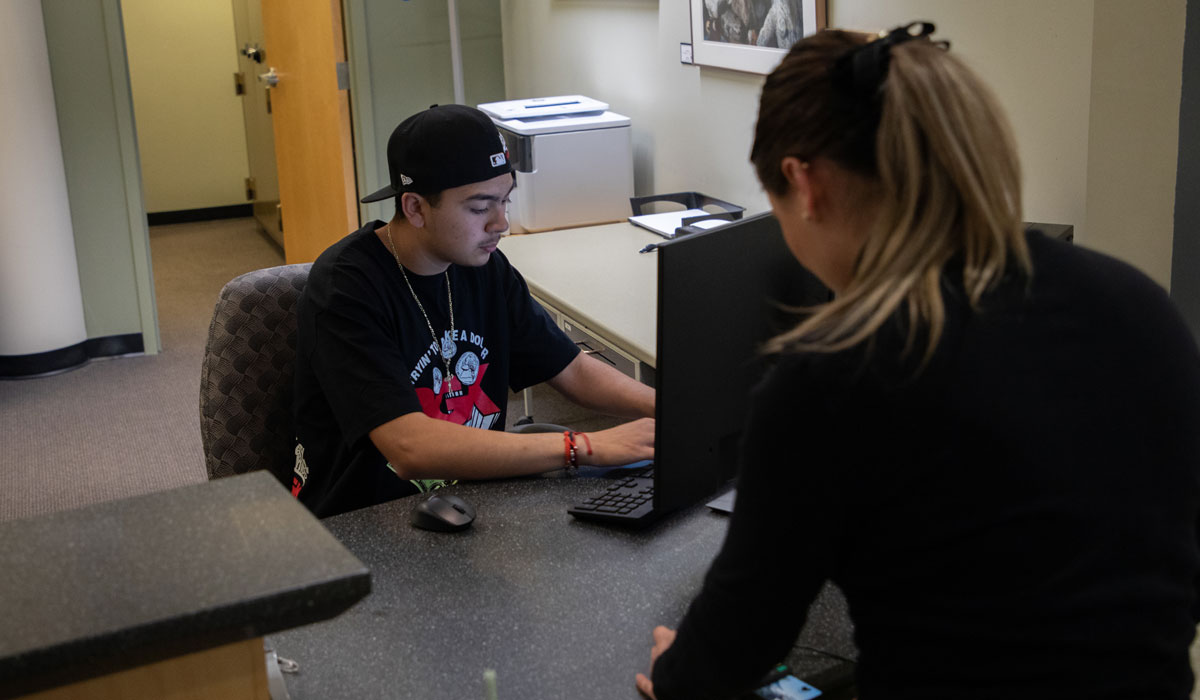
(443, 513)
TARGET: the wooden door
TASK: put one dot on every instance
(311, 116)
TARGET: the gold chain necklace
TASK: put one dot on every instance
(447, 346)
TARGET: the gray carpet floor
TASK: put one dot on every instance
(126, 426)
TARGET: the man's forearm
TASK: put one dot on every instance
(420, 447)
(599, 387)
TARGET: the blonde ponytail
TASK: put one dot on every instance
(949, 184)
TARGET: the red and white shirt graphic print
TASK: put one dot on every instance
(458, 398)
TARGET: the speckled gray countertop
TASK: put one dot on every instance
(558, 607)
(118, 584)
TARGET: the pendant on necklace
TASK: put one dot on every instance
(448, 348)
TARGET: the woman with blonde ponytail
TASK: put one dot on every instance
(989, 440)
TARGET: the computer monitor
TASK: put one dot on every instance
(721, 295)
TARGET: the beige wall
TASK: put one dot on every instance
(693, 126)
(1134, 131)
(1036, 56)
(182, 57)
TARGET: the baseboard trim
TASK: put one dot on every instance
(113, 345)
(184, 216)
(54, 361)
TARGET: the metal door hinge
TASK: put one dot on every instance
(239, 83)
(251, 189)
(254, 52)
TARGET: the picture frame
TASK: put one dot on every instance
(728, 33)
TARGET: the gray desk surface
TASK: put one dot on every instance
(596, 276)
(118, 584)
(559, 608)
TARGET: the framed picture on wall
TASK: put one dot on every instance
(751, 35)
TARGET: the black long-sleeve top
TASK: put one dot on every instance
(1017, 521)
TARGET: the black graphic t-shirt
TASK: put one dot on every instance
(365, 356)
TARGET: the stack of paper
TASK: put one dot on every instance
(664, 224)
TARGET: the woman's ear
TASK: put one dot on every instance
(799, 177)
(412, 205)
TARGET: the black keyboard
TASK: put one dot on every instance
(628, 500)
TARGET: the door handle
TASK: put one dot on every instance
(271, 78)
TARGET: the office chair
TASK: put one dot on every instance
(246, 376)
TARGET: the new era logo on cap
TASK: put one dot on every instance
(405, 180)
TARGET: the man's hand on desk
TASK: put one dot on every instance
(626, 443)
(663, 638)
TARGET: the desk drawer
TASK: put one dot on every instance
(598, 349)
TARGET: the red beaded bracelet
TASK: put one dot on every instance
(570, 459)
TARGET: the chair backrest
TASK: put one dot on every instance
(246, 377)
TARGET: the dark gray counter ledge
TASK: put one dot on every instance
(558, 607)
(115, 585)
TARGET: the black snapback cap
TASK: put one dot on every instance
(442, 147)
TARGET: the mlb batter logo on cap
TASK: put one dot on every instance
(502, 157)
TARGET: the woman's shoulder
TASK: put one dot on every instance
(1060, 264)
(1090, 284)
(828, 377)
(890, 366)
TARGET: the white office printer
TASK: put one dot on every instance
(573, 158)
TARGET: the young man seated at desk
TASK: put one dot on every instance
(411, 332)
